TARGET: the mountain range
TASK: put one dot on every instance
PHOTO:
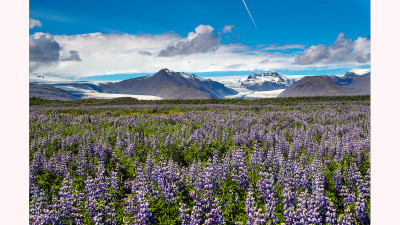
(167, 84)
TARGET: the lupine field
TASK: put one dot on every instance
(240, 162)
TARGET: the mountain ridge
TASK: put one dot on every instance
(329, 85)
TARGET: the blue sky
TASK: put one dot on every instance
(288, 28)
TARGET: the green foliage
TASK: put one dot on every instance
(50, 183)
(286, 101)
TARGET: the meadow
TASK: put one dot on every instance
(262, 161)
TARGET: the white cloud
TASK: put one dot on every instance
(342, 50)
(201, 41)
(227, 29)
(34, 23)
(105, 54)
(45, 51)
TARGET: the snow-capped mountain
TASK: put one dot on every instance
(267, 81)
(235, 83)
(167, 84)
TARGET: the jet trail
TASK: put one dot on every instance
(249, 13)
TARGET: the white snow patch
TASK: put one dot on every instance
(95, 94)
(233, 82)
(109, 96)
(259, 79)
(360, 71)
(257, 94)
(168, 71)
(294, 77)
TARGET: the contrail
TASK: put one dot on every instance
(249, 13)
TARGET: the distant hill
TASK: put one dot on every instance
(168, 84)
(349, 84)
(50, 93)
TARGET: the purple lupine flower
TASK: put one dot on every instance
(149, 165)
(355, 178)
(360, 209)
(226, 165)
(37, 206)
(130, 150)
(184, 214)
(217, 168)
(82, 161)
(193, 172)
(257, 157)
(337, 179)
(254, 215)
(330, 212)
(143, 215)
(265, 186)
(288, 204)
(214, 216)
(141, 184)
(348, 197)
(302, 213)
(195, 216)
(366, 190)
(346, 218)
(64, 207)
(98, 196)
(130, 206)
(166, 176)
(113, 181)
(239, 168)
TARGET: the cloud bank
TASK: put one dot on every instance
(342, 50)
(96, 54)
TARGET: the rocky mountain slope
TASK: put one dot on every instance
(168, 84)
